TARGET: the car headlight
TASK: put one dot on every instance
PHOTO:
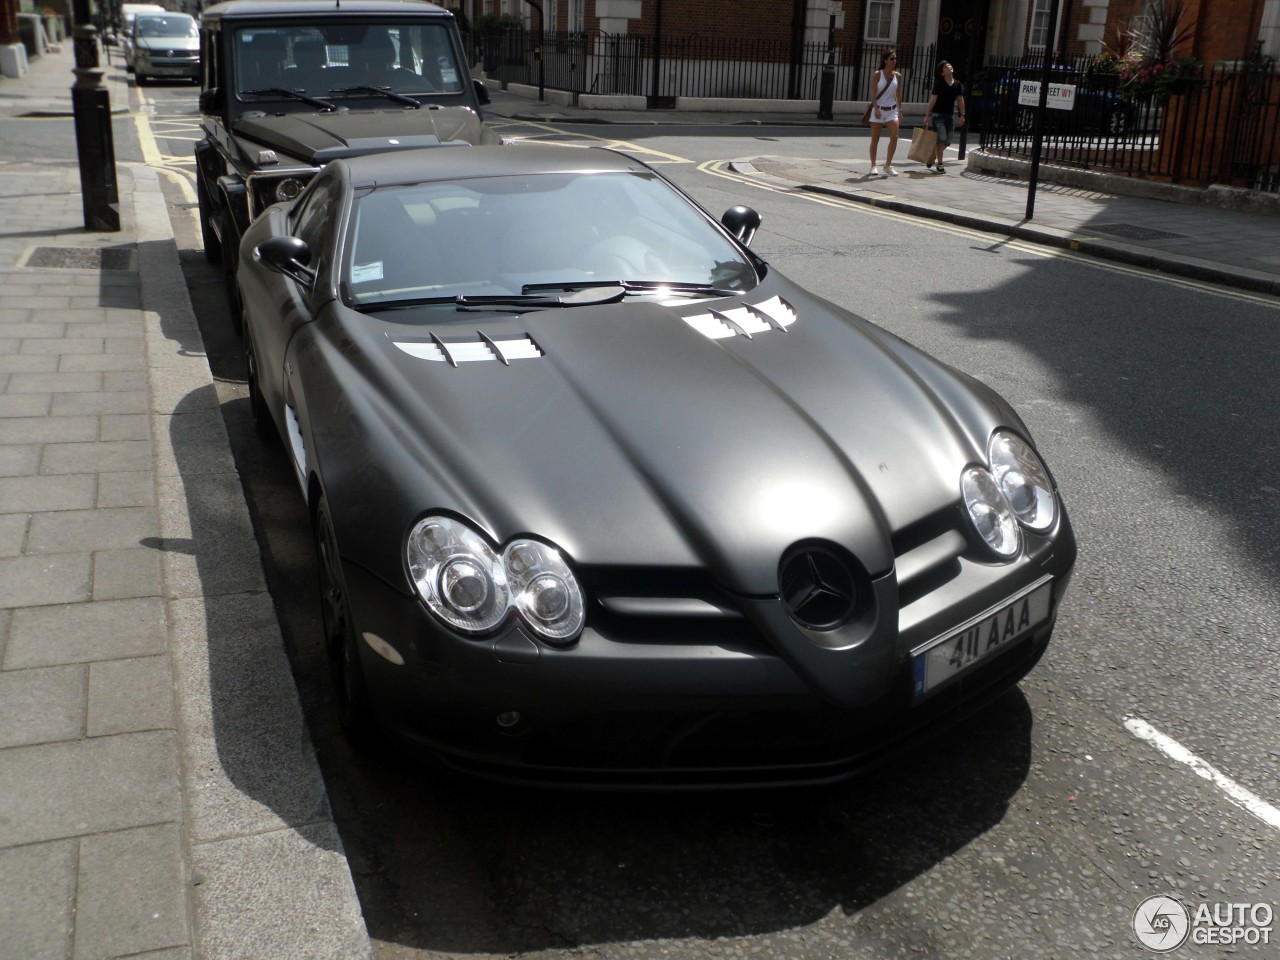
(458, 575)
(468, 585)
(1023, 481)
(544, 589)
(991, 514)
(288, 189)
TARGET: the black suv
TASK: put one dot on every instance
(288, 85)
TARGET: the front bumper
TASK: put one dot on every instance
(684, 706)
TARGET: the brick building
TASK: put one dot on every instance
(965, 31)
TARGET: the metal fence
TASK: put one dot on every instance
(694, 66)
(1223, 127)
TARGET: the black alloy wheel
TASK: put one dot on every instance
(230, 254)
(345, 670)
(257, 405)
(212, 245)
(1117, 123)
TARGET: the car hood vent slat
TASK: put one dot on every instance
(456, 352)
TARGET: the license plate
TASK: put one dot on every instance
(979, 639)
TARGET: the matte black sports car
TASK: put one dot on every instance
(601, 498)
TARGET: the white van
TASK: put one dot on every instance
(128, 11)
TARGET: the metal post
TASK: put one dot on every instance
(537, 51)
(1037, 136)
(827, 90)
(95, 145)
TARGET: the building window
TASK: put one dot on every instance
(1269, 31)
(880, 20)
(1039, 25)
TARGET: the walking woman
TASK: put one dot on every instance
(947, 93)
(886, 109)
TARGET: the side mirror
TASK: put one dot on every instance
(211, 100)
(742, 222)
(287, 255)
(482, 92)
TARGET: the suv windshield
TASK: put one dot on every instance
(508, 236)
(346, 60)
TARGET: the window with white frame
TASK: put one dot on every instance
(1269, 31)
(1039, 25)
(880, 15)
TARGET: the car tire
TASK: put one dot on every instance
(262, 421)
(212, 245)
(230, 254)
(351, 694)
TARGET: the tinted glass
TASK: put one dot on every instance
(495, 235)
(334, 60)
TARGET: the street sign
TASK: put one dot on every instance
(1062, 96)
(835, 7)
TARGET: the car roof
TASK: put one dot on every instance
(276, 9)
(466, 162)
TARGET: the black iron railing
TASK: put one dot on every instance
(694, 66)
(1221, 126)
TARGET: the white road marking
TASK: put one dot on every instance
(1237, 794)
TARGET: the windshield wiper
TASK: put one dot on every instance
(365, 88)
(462, 301)
(285, 92)
(634, 286)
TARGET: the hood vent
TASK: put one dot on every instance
(744, 321)
(466, 351)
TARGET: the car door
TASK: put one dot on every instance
(277, 305)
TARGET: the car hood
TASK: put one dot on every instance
(661, 436)
(317, 138)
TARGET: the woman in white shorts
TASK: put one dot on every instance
(886, 109)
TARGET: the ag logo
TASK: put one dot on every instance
(1161, 924)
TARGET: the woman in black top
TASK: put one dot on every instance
(946, 94)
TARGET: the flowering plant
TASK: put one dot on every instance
(1145, 55)
(1148, 77)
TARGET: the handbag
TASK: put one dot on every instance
(923, 142)
(866, 116)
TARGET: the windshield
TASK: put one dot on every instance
(174, 25)
(346, 60)
(502, 236)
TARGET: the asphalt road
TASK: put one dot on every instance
(1037, 828)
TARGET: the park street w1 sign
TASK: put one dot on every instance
(1062, 96)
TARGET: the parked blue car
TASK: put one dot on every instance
(993, 103)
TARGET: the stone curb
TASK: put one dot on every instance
(268, 876)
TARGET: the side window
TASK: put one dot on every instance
(314, 213)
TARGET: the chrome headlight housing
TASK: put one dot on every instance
(288, 189)
(1023, 480)
(990, 513)
(471, 587)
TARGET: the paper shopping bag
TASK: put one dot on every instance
(923, 140)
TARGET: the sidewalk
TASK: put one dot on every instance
(159, 796)
(1088, 213)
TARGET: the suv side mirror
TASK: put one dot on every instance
(211, 100)
(742, 222)
(482, 92)
(287, 255)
